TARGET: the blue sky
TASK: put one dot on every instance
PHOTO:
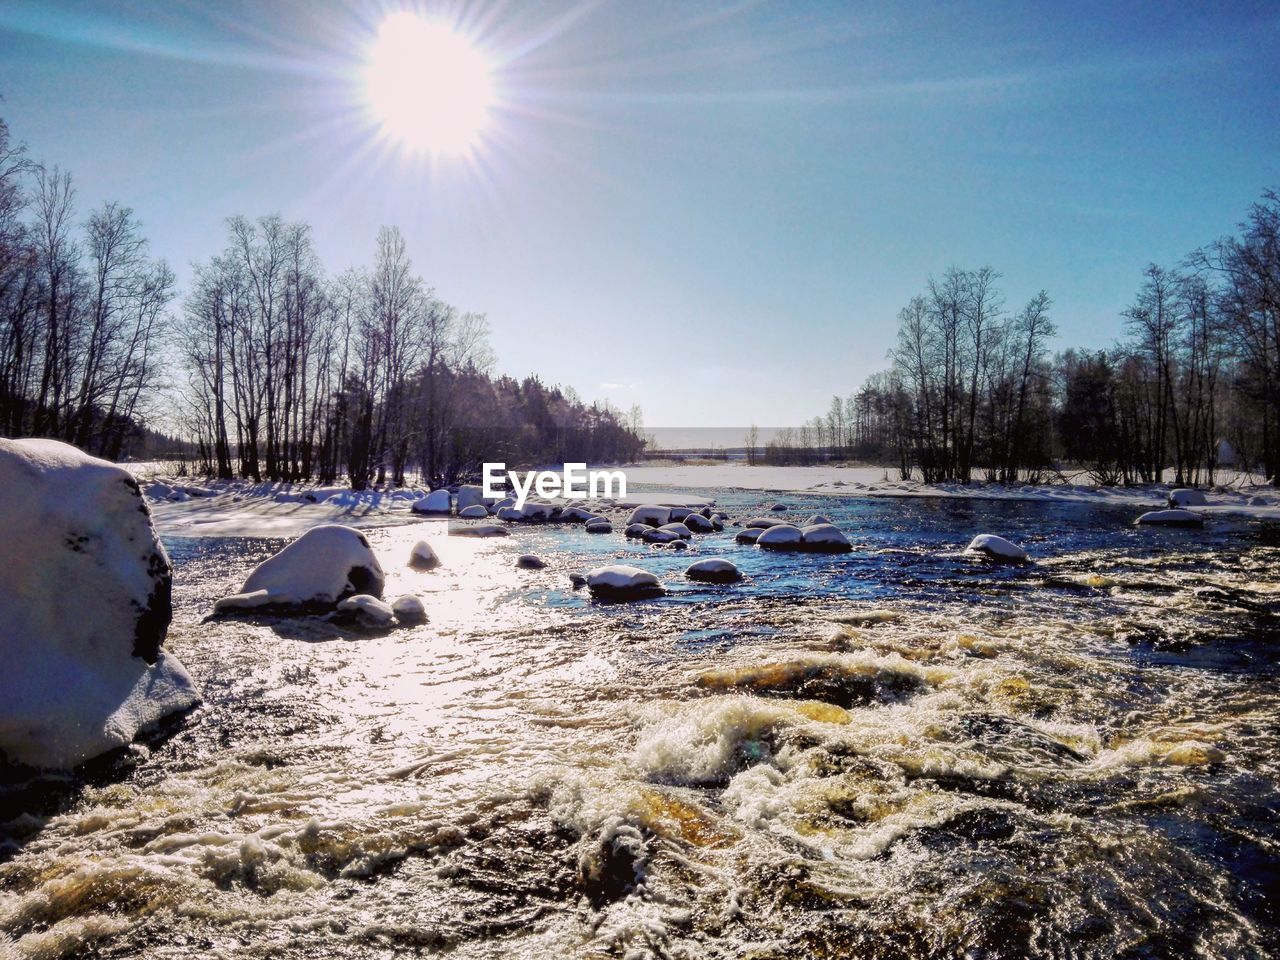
(714, 211)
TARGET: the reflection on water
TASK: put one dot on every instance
(898, 752)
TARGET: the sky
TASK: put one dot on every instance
(714, 211)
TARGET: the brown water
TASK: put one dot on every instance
(899, 753)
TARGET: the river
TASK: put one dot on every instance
(901, 752)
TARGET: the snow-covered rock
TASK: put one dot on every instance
(577, 579)
(678, 544)
(599, 525)
(471, 495)
(678, 513)
(650, 514)
(698, 523)
(84, 608)
(619, 581)
(637, 530)
(658, 535)
(1187, 498)
(509, 514)
(529, 561)
(749, 535)
(816, 519)
(409, 609)
(678, 528)
(423, 556)
(997, 548)
(1171, 518)
(476, 511)
(714, 570)
(778, 507)
(763, 522)
(480, 530)
(238, 602)
(782, 536)
(538, 510)
(365, 611)
(577, 514)
(505, 502)
(437, 501)
(823, 538)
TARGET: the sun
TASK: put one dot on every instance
(428, 86)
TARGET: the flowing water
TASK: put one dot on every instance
(899, 752)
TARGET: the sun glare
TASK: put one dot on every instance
(428, 86)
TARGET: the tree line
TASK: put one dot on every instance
(268, 367)
(973, 392)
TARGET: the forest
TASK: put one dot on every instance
(973, 391)
(267, 367)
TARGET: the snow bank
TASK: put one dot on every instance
(1171, 518)
(997, 548)
(714, 570)
(621, 582)
(84, 608)
(326, 564)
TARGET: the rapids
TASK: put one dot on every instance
(899, 752)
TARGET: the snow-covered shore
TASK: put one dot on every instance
(238, 508)
(1241, 496)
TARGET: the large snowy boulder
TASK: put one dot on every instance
(477, 511)
(619, 581)
(437, 501)
(650, 514)
(714, 570)
(997, 548)
(1171, 518)
(326, 564)
(84, 608)
(823, 538)
(1187, 498)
